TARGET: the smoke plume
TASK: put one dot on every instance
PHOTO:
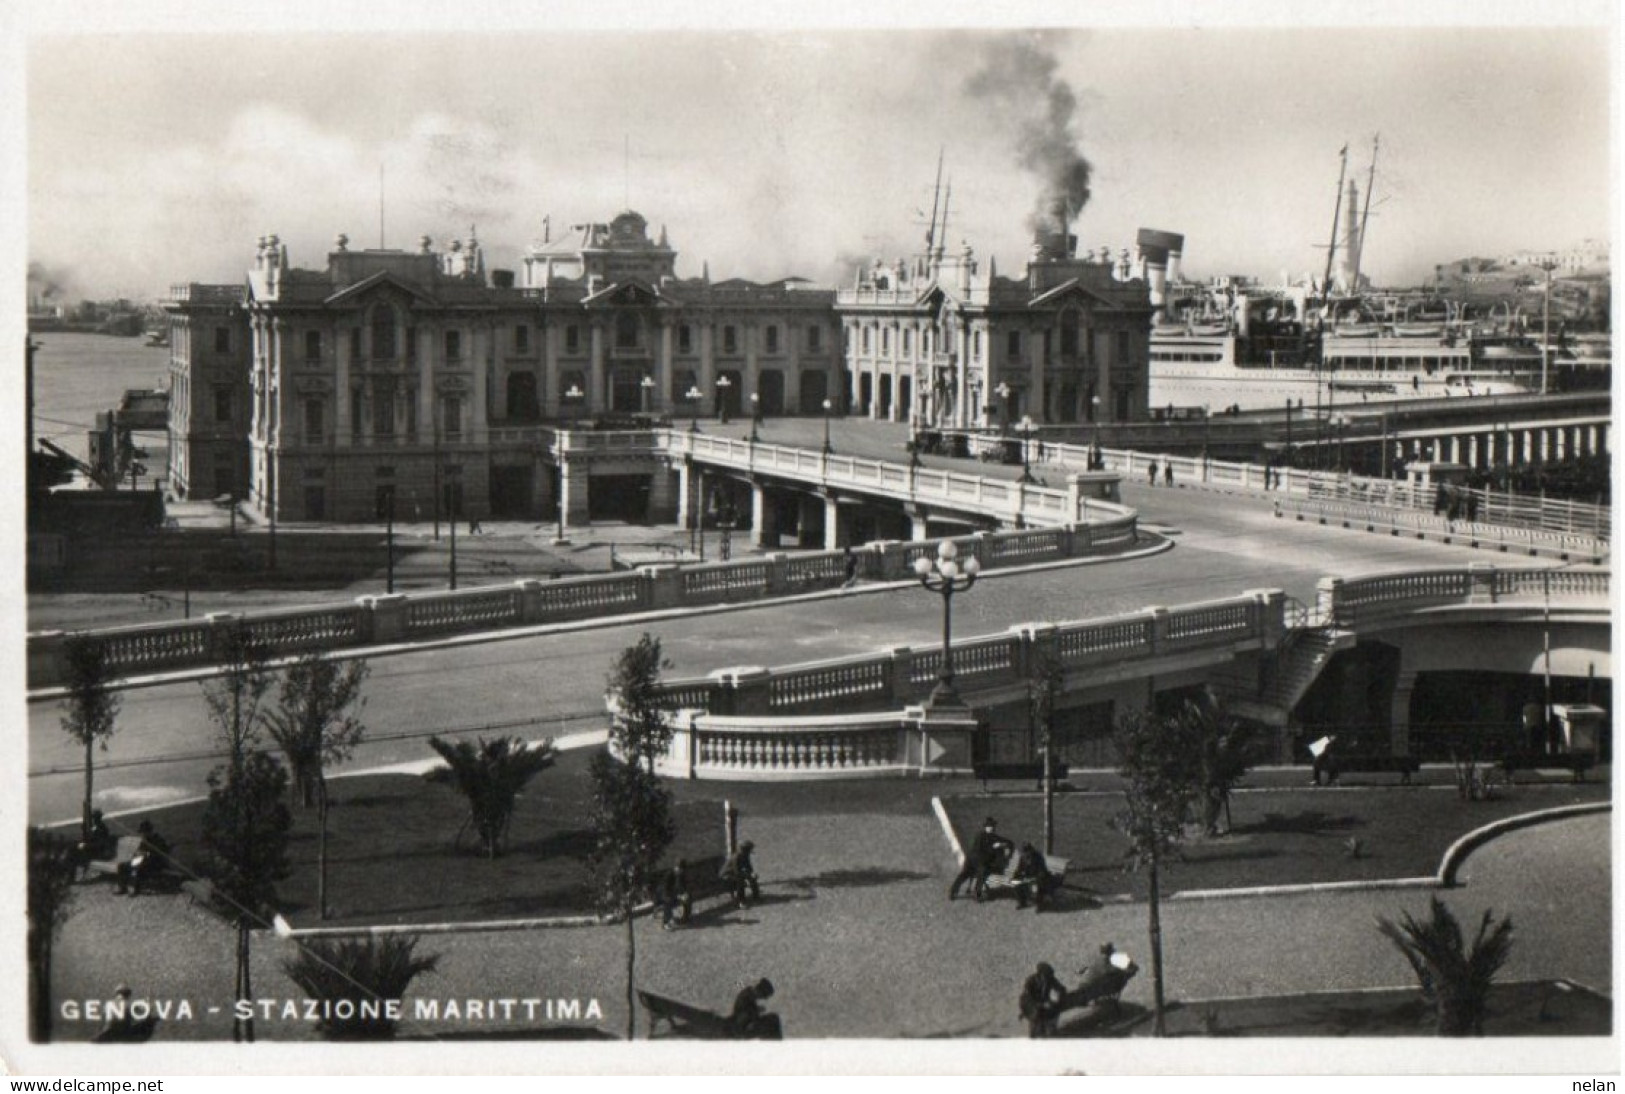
(45, 283)
(1017, 78)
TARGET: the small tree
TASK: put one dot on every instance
(641, 727)
(364, 972)
(1044, 682)
(245, 834)
(51, 867)
(91, 708)
(1226, 749)
(1455, 979)
(1161, 783)
(234, 696)
(633, 826)
(318, 722)
(490, 775)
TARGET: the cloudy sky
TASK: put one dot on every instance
(160, 157)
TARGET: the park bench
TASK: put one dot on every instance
(1034, 772)
(1576, 762)
(1004, 879)
(1373, 763)
(128, 847)
(688, 1021)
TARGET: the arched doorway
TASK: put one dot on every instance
(771, 391)
(814, 390)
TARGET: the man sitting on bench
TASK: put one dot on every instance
(748, 1017)
(147, 863)
(1032, 871)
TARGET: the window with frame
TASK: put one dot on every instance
(772, 338)
(730, 339)
(521, 338)
(454, 345)
(685, 338)
(411, 412)
(224, 402)
(315, 423)
(313, 345)
(572, 339)
(976, 345)
(1013, 343)
(355, 343)
(627, 330)
(452, 416)
(1069, 335)
(357, 410)
(222, 339)
(815, 338)
(1123, 350)
(885, 340)
(383, 407)
(908, 341)
(383, 332)
(864, 340)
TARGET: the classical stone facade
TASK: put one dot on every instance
(393, 378)
(208, 390)
(939, 342)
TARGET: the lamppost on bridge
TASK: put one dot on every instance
(1097, 461)
(1548, 265)
(647, 384)
(946, 575)
(1026, 427)
(827, 407)
(694, 395)
(755, 417)
(723, 384)
(1003, 392)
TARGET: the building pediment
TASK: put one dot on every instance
(1070, 290)
(631, 293)
(381, 285)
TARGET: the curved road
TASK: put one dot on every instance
(1224, 544)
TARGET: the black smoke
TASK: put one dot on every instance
(1017, 78)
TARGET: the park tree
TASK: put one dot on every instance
(245, 836)
(317, 722)
(1044, 680)
(236, 695)
(365, 972)
(1226, 749)
(1455, 977)
(491, 775)
(632, 827)
(641, 723)
(1160, 785)
(51, 868)
(91, 708)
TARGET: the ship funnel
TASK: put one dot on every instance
(1158, 250)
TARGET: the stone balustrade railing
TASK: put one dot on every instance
(897, 678)
(1003, 499)
(799, 722)
(383, 620)
(1419, 524)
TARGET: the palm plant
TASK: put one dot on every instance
(1455, 979)
(367, 973)
(490, 774)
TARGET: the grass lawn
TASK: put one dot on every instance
(1278, 836)
(1529, 1008)
(391, 856)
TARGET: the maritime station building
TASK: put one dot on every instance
(366, 388)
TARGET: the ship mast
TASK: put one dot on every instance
(1365, 215)
(1337, 213)
(936, 195)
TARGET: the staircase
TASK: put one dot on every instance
(1298, 663)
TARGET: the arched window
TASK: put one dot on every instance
(383, 331)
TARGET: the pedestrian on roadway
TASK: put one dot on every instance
(1151, 473)
(1168, 473)
(851, 568)
(740, 874)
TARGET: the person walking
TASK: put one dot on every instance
(850, 564)
(980, 861)
(1168, 473)
(740, 874)
(1151, 474)
(676, 899)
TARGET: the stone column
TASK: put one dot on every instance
(341, 392)
(764, 517)
(574, 479)
(835, 532)
(549, 378)
(919, 519)
(808, 527)
(1399, 714)
(965, 413)
(1035, 376)
(664, 493)
(597, 400)
(685, 494)
(660, 397)
(481, 336)
(708, 361)
(541, 491)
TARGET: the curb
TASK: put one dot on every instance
(206, 672)
(1457, 852)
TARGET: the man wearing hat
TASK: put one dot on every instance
(740, 872)
(1041, 999)
(983, 859)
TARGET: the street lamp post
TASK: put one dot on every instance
(755, 417)
(1096, 460)
(1340, 423)
(1025, 427)
(1003, 392)
(1546, 324)
(694, 395)
(389, 543)
(946, 575)
(723, 384)
(648, 386)
(827, 448)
